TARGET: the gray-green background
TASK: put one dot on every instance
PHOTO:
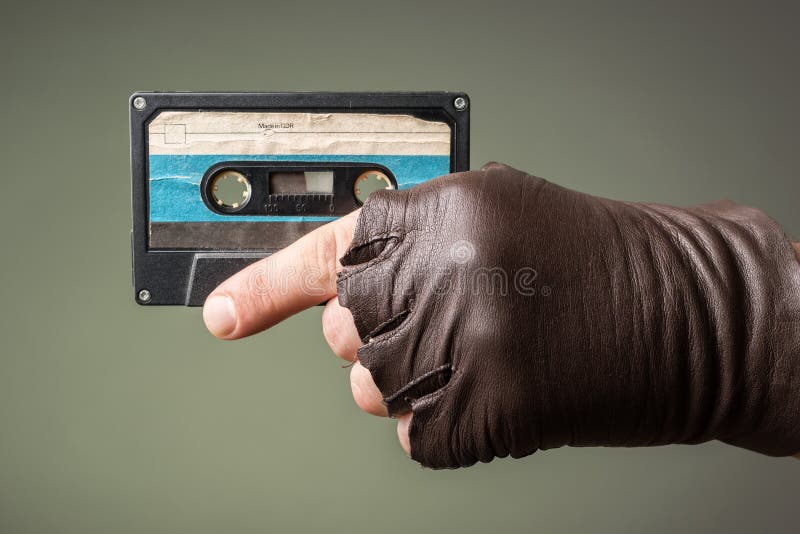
(117, 418)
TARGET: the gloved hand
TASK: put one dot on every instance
(510, 314)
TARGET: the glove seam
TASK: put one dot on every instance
(431, 397)
(349, 271)
(419, 380)
(383, 339)
(376, 332)
(385, 236)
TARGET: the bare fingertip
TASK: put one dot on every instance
(403, 422)
(219, 314)
(365, 392)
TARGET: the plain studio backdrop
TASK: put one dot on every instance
(124, 419)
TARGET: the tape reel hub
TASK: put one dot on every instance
(368, 182)
(230, 190)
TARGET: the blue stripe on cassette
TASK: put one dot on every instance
(174, 188)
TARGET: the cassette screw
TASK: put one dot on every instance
(460, 103)
(145, 296)
(139, 103)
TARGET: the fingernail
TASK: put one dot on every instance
(219, 314)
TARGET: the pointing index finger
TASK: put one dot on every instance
(291, 280)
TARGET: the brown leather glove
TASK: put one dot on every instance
(511, 314)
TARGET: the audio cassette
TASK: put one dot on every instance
(220, 180)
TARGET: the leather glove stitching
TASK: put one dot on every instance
(391, 239)
(389, 325)
(419, 380)
(383, 339)
(349, 271)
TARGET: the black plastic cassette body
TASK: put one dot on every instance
(220, 180)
